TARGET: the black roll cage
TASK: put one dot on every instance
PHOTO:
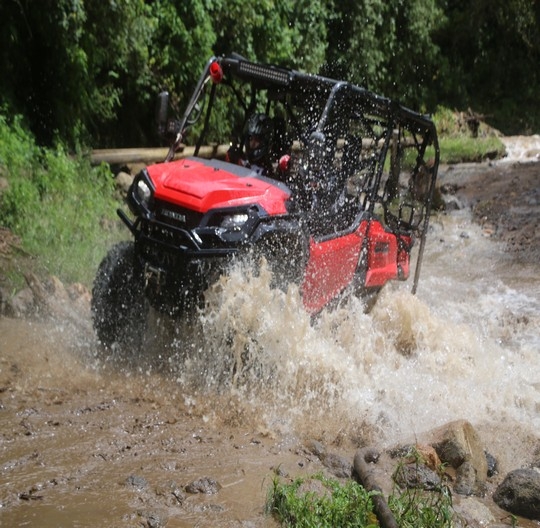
(393, 128)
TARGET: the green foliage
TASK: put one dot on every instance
(457, 144)
(328, 504)
(60, 206)
(491, 51)
(472, 150)
(88, 72)
(67, 65)
(301, 504)
(415, 508)
(181, 45)
(387, 46)
(291, 33)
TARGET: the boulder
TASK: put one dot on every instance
(20, 305)
(123, 180)
(337, 465)
(417, 476)
(459, 446)
(519, 493)
(473, 513)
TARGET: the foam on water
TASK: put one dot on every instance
(522, 148)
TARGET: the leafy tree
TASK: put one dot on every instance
(288, 32)
(492, 51)
(182, 44)
(87, 72)
(68, 62)
(386, 46)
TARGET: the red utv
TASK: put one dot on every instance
(342, 197)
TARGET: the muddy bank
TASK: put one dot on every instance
(505, 200)
(84, 444)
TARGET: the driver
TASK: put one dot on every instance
(257, 145)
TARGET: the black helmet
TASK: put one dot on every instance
(259, 137)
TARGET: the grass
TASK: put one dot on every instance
(471, 150)
(415, 507)
(321, 502)
(61, 207)
(457, 142)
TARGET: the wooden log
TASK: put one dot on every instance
(156, 155)
(365, 474)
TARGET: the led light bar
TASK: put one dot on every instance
(264, 73)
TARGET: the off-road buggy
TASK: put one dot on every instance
(347, 196)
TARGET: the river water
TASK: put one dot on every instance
(256, 377)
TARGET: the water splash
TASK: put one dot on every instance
(454, 351)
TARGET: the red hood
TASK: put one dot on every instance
(201, 185)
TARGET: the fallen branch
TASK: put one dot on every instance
(365, 474)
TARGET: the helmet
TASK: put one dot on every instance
(259, 137)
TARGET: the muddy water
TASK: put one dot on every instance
(86, 441)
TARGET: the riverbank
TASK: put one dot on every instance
(504, 198)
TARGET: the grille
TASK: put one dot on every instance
(177, 216)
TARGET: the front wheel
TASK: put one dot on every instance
(119, 307)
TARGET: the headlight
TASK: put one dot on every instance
(144, 192)
(234, 222)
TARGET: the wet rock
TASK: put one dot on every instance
(315, 447)
(449, 188)
(20, 305)
(423, 453)
(459, 446)
(280, 471)
(153, 519)
(519, 493)
(417, 476)
(473, 512)
(465, 479)
(428, 456)
(492, 465)
(123, 180)
(371, 455)
(337, 465)
(452, 204)
(205, 485)
(209, 508)
(49, 298)
(178, 495)
(137, 482)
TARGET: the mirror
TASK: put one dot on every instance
(162, 110)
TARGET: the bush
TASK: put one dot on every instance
(301, 504)
(460, 143)
(326, 504)
(60, 206)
